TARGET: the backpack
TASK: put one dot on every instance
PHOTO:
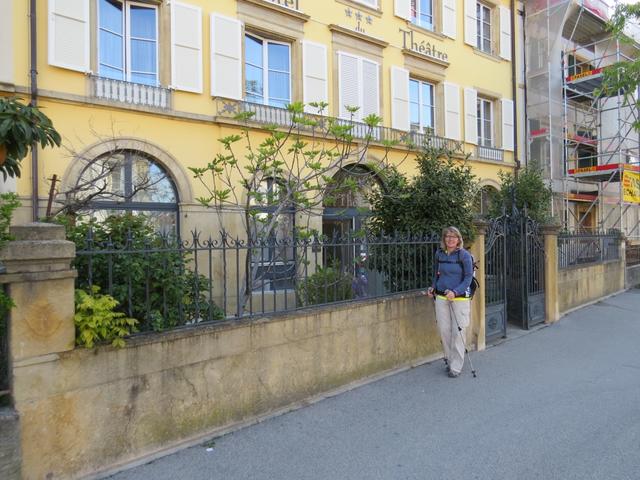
(473, 286)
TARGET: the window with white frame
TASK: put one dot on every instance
(422, 13)
(483, 27)
(359, 86)
(128, 41)
(267, 71)
(484, 119)
(421, 105)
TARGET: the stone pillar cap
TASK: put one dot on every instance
(37, 231)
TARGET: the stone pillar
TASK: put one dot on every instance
(478, 304)
(40, 282)
(551, 308)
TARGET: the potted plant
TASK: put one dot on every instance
(22, 126)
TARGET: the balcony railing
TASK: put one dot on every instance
(129, 93)
(268, 115)
(490, 153)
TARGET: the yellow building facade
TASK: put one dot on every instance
(154, 84)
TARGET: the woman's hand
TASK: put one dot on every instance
(430, 292)
(450, 294)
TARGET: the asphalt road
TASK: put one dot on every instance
(562, 402)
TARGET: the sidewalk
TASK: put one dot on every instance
(561, 402)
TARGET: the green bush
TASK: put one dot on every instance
(97, 320)
(528, 189)
(326, 285)
(150, 275)
(440, 195)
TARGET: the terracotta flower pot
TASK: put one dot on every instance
(3, 154)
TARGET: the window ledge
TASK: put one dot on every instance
(424, 56)
(361, 36)
(361, 6)
(490, 56)
(425, 31)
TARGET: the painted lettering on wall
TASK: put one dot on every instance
(422, 47)
(292, 4)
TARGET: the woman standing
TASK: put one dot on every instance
(453, 272)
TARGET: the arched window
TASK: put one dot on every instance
(128, 181)
(484, 198)
(346, 209)
(346, 206)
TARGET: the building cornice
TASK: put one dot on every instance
(359, 35)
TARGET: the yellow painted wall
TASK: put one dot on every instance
(192, 141)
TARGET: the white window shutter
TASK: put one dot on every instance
(7, 47)
(314, 73)
(226, 57)
(399, 98)
(449, 21)
(505, 33)
(403, 9)
(69, 42)
(186, 47)
(370, 85)
(507, 124)
(470, 116)
(349, 85)
(451, 111)
(470, 27)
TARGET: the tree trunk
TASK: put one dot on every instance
(3, 153)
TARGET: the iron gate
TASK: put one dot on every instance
(514, 273)
(495, 293)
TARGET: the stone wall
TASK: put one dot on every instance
(83, 411)
(580, 285)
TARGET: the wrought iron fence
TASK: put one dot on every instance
(166, 283)
(281, 117)
(577, 248)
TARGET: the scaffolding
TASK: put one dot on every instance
(584, 139)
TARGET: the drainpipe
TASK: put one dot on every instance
(514, 85)
(34, 102)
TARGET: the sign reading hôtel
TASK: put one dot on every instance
(422, 47)
(291, 4)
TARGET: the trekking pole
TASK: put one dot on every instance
(464, 343)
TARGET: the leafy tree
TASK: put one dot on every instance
(291, 170)
(528, 188)
(441, 194)
(623, 78)
(413, 211)
(21, 127)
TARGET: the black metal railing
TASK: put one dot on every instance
(281, 117)
(577, 248)
(166, 283)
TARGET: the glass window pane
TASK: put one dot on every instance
(111, 55)
(413, 91)
(254, 82)
(414, 112)
(150, 182)
(143, 56)
(279, 86)
(110, 12)
(143, 22)
(253, 51)
(278, 57)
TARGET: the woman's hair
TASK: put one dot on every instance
(454, 231)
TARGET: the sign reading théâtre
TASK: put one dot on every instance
(422, 47)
